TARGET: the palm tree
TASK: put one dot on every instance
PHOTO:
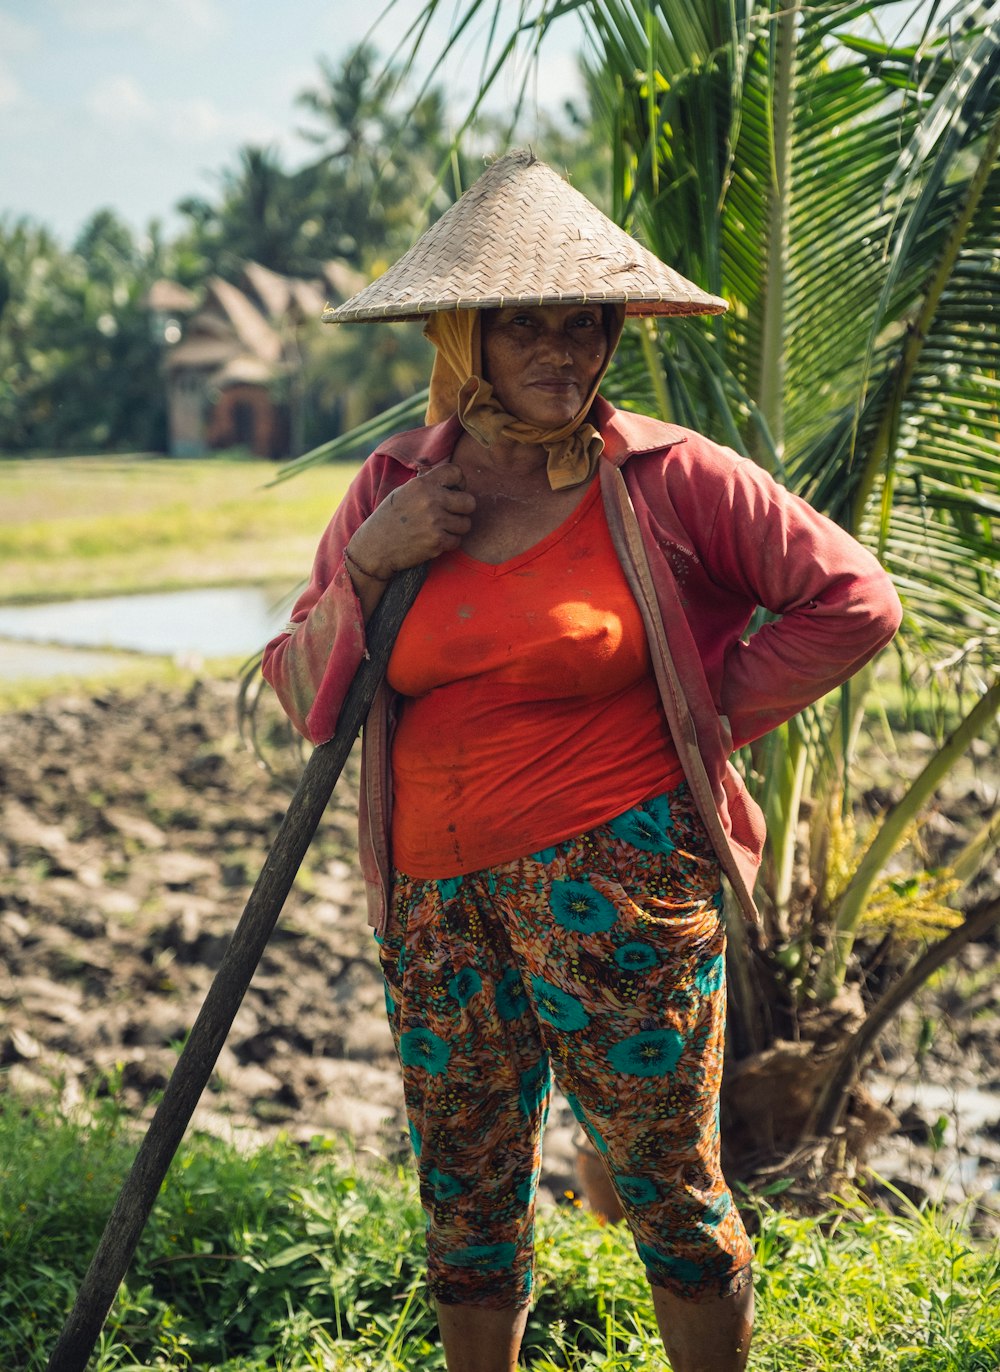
(379, 160)
(842, 192)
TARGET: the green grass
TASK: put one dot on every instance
(72, 527)
(293, 1259)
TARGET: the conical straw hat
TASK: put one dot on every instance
(521, 235)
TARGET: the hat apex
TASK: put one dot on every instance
(521, 235)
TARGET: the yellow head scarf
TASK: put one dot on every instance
(457, 386)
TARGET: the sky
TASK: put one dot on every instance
(137, 104)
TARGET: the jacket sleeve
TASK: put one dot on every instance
(836, 604)
(312, 663)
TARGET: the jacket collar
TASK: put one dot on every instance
(423, 447)
(625, 435)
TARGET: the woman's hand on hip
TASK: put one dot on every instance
(420, 520)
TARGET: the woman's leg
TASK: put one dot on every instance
(481, 1340)
(624, 953)
(476, 1082)
(705, 1336)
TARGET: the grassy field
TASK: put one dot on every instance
(72, 527)
(294, 1260)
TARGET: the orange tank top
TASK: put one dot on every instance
(530, 712)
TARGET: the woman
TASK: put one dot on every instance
(548, 803)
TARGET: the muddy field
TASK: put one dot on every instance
(132, 830)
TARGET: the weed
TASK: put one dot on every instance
(297, 1259)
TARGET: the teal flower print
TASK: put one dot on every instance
(544, 855)
(534, 1086)
(710, 975)
(423, 1048)
(512, 998)
(525, 1192)
(597, 1138)
(595, 1135)
(680, 1269)
(576, 1107)
(465, 985)
(415, 1139)
(636, 1190)
(444, 1186)
(390, 1004)
(448, 888)
(486, 1257)
(560, 1009)
(576, 905)
(636, 957)
(718, 1210)
(641, 831)
(659, 811)
(650, 1054)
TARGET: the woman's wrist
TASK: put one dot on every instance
(355, 566)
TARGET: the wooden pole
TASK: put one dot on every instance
(195, 1065)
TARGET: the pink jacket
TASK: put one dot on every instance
(704, 537)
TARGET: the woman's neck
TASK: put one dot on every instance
(516, 506)
(505, 462)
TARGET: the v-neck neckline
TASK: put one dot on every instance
(538, 549)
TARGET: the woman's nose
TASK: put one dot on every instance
(554, 345)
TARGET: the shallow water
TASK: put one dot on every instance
(222, 622)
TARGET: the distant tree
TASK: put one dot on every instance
(81, 369)
(377, 172)
(260, 217)
(32, 269)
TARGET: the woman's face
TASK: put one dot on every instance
(542, 360)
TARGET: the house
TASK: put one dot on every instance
(233, 360)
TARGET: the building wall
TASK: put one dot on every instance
(246, 416)
(187, 408)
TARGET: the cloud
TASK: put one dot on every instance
(198, 120)
(119, 105)
(10, 91)
(118, 101)
(16, 39)
(170, 23)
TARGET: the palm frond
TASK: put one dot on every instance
(359, 442)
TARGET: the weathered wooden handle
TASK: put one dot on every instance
(195, 1065)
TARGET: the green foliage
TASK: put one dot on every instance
(840, 191)
(80, 367)
(80, 362)
(293, 1259)
(863, 1289)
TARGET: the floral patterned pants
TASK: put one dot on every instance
(600, 961)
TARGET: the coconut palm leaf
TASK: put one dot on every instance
(363, 439)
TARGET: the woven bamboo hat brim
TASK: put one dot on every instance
(521, 235)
